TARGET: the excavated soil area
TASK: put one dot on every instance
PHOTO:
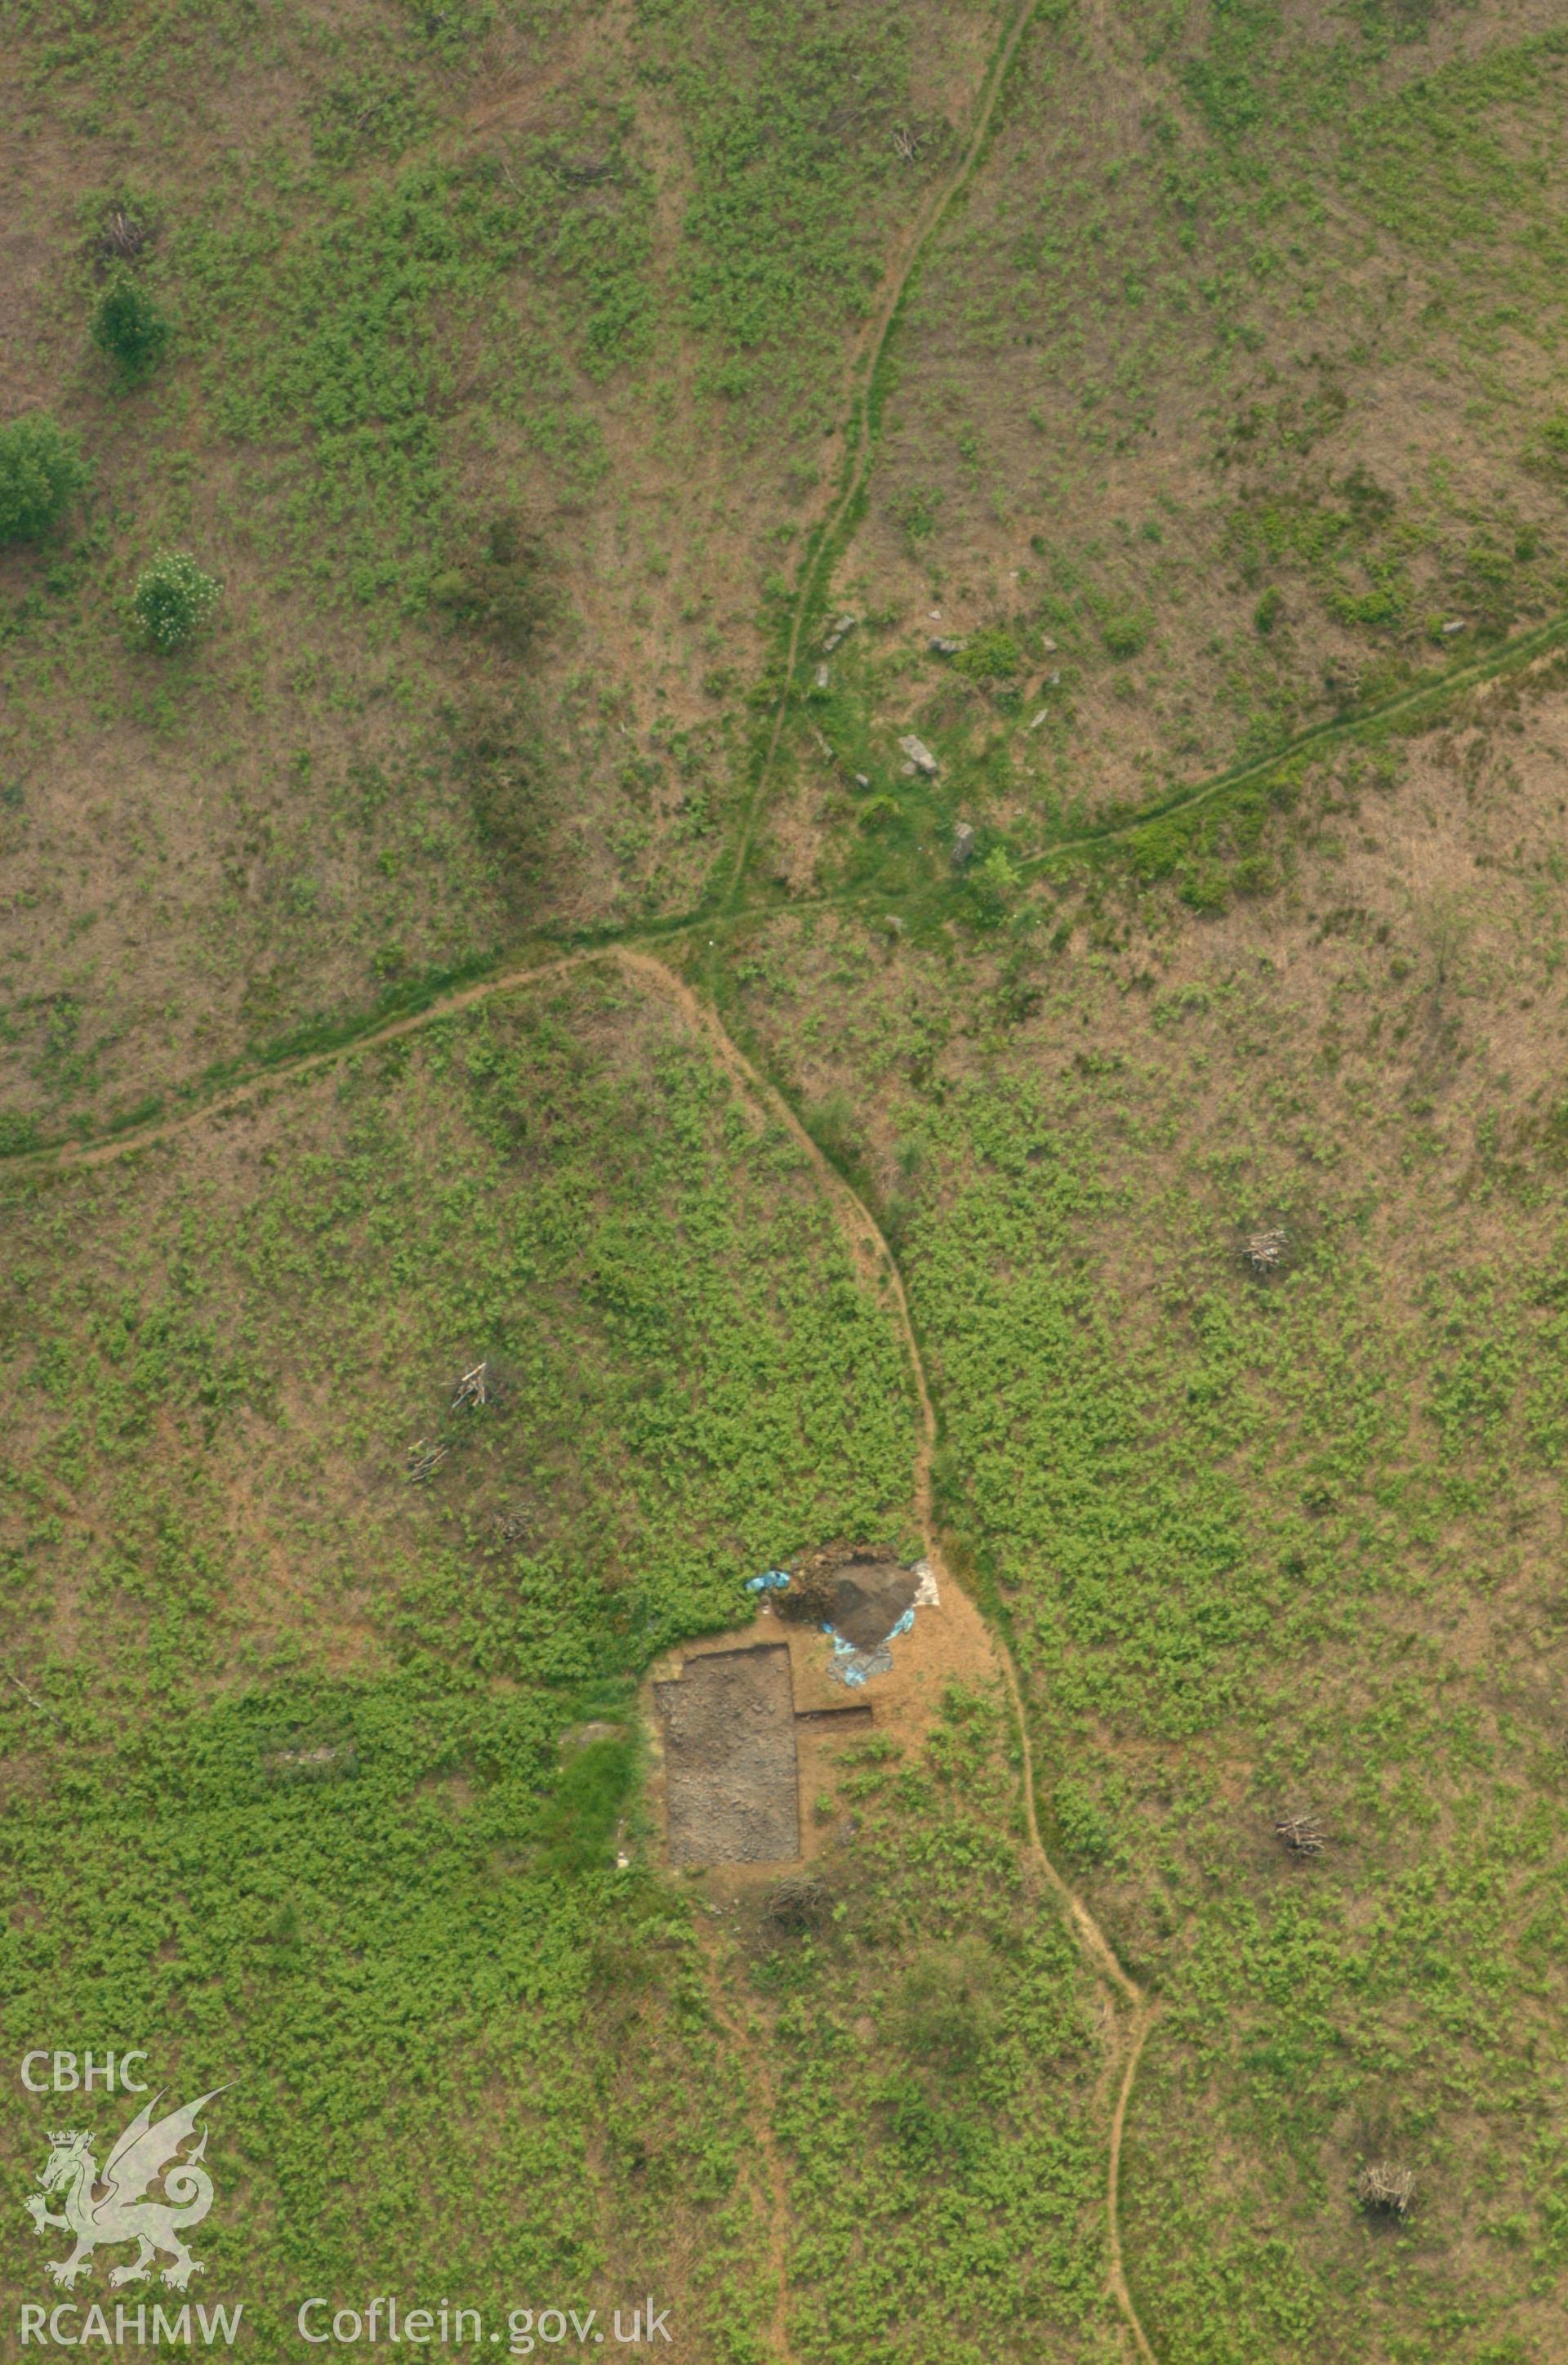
(732, 1778)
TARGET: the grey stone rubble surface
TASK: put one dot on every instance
(856, 1667)
(963, 845)
(920, 754)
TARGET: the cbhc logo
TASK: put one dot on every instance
(65, 2078)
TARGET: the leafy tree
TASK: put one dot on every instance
(129, 330)
(992, 885)
(41, 469)
(174, 600)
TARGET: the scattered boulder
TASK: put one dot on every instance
(963, 845)
(836, 632)
(1456, 625)
(944, 645)
(862, 781)
(1048, 645)
(819, 679)
(1043, 716)
(920, 755)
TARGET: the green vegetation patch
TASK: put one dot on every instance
(307, 1634)
(936, 2052)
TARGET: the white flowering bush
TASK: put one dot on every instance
(174, 600)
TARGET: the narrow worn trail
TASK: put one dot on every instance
(1529, 654)
(860, 437)
(879, 1270)
(1133, 2009)
(765, 2104)
(71, 1157)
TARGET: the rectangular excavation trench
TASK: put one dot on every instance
(732, 1763)
(731, 1774)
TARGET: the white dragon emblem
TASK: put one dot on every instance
(110, 2207)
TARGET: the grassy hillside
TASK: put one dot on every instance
(505, 357)
(1228, 399)
(1270, 1541)
(285, 1727)
(592, 417)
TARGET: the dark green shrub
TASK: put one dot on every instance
(41, 470)
(1268, 611)
(916, 511)
(992, 885)
(947, 2015)
(174, 600)
(1084, 1830)
(1125, 636)
(928, 2135)
(835, 1125)
(129, 330)
(991, 655)
(501, 592)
